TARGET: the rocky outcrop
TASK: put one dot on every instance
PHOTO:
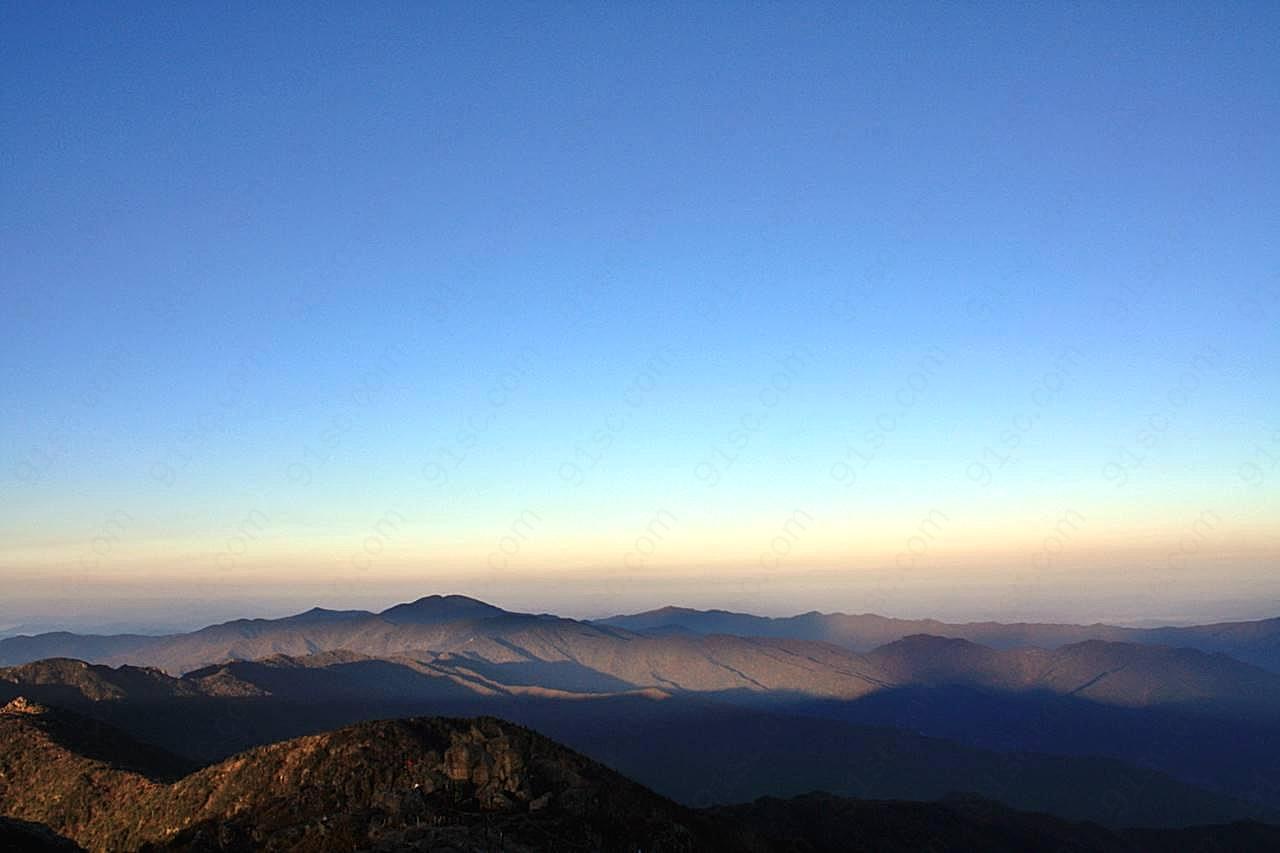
(373, 785)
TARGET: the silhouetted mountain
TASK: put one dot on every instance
(435, 609)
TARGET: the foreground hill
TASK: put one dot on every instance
(403, 784)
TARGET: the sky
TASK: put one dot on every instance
(960, 310)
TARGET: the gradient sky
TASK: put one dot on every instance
(959, 310)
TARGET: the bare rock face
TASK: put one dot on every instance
(494, 766)
(22, 705)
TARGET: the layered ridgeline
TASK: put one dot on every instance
(1257, 642)
(519, 656)
(704, 651)
(463, 785)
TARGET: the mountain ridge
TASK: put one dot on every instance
(1256, 641)
(472, 642)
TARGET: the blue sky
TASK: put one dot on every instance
(238, 241)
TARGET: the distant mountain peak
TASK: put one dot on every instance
(324, 614)
(935, 641)
(440, 608)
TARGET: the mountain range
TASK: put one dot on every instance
(1256, 642)
(714, 651)
(1119, 734)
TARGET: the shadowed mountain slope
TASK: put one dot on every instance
(820, 823)
(698, 755)
(70, 773)
(1122, 674)
(28, 837)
